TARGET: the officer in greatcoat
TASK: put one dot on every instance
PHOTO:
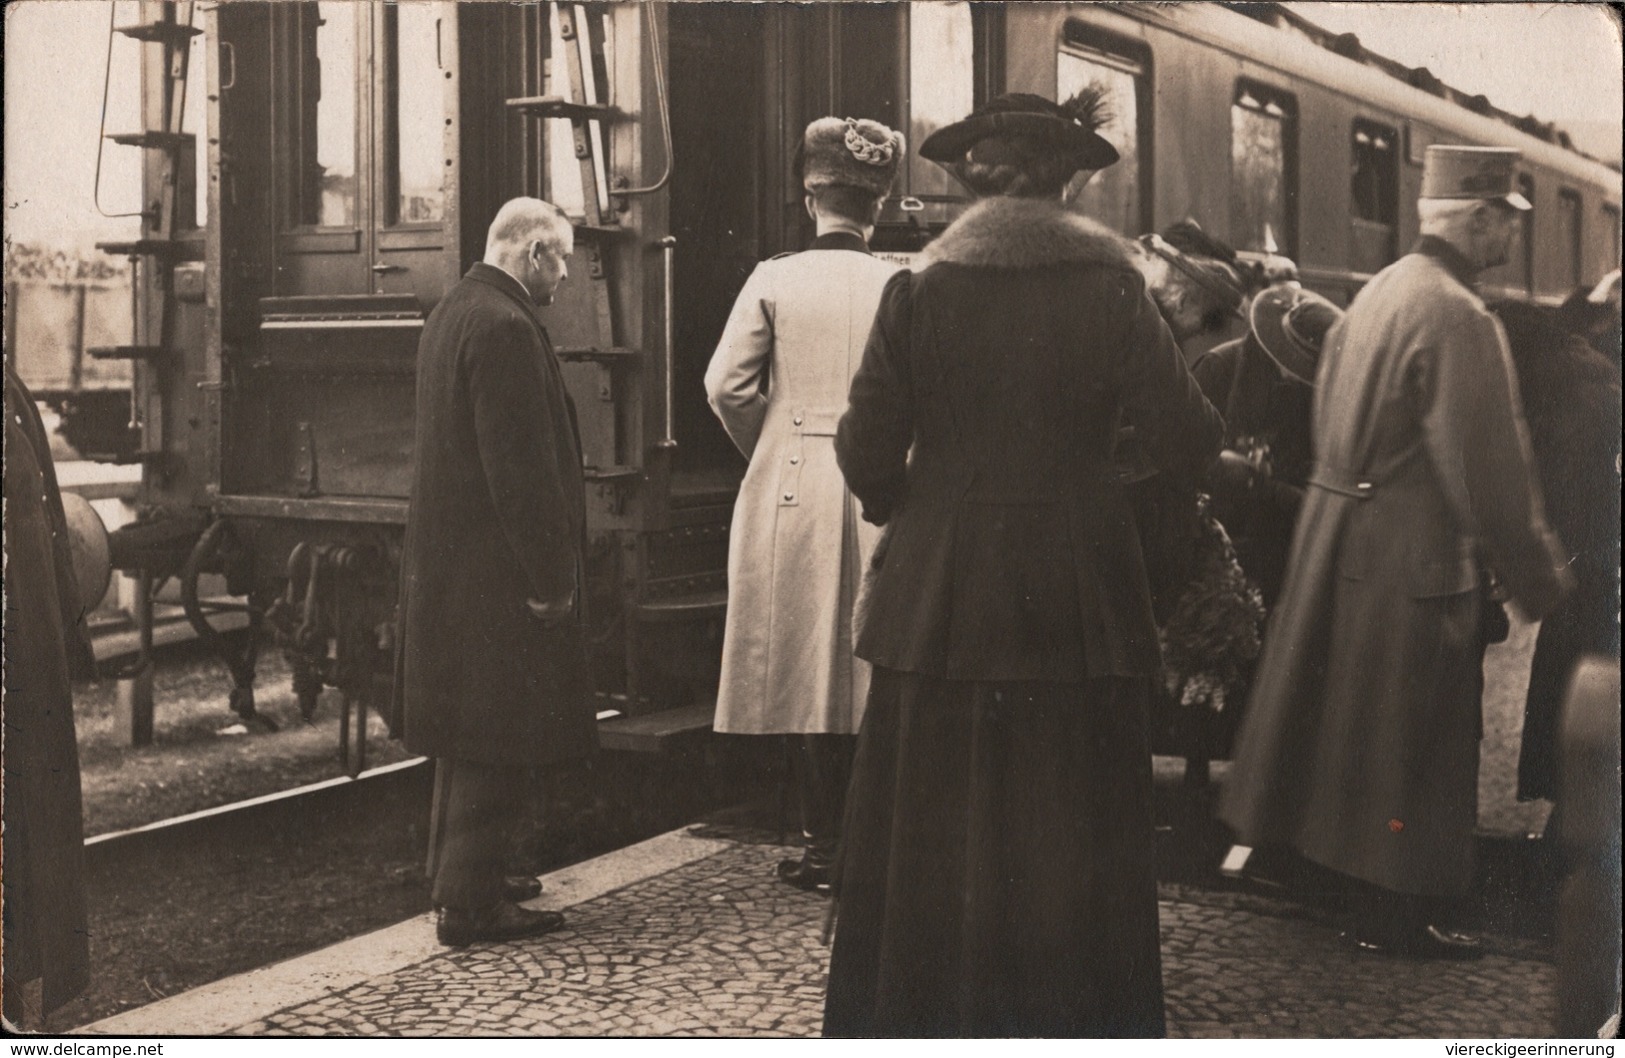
(1360, 745)
(778, 382)
(46, 940)
(491, 671)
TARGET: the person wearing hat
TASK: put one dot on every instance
(1263, 384)
(997, 873)
(1360, 744)
(778, 383)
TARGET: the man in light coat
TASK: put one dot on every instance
(778, 381)
(1360, 745)
(491, 668)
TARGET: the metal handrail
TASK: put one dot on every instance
(668, 248)
(665, 109)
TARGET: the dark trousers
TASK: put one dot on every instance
(470, 828)
(823, 766)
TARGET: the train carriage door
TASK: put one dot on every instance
(362, 115)
(717, 205)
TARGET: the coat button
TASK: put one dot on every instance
(789, 495)
(794, 460)
(797, 420)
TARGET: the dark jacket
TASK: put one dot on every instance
(1571, 396)
(1260, 403)
(1006, 362)
(497, 517)
(45, 923)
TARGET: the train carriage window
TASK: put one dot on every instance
(942, 85)
(1115, 196)
(1521, 254)
(1569, 221)
(1610, 220)
(1376, 173)
(1263, 169)
(417, 170)
(196, 121)
(324, 143)
(1374, 195)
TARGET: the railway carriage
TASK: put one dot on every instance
(317, 174)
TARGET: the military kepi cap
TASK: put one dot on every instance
(1451, 171)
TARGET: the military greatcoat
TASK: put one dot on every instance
(46, 936)
(778, 382)
(1360, 744)
(497, 517)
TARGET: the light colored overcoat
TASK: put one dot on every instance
(778, 382)
(1360, 744)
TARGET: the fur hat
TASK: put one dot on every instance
(1290, 324)
(850, 152)
(1069, 128)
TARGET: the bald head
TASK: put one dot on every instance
(529, 239)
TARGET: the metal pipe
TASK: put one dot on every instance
(668, 248)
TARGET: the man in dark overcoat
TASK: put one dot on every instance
(1360, 745)
(46, 941)
(491, 672)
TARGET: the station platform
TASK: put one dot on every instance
(690, 934)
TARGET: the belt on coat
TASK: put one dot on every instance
(1343, 482)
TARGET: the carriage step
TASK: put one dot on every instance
(171, 33)
(141, 248)
(125, 352)
(154, 139)
(610, 473)
(678, 608)
(655, 732)
(559, 107)
(599, 231)
(590, 352)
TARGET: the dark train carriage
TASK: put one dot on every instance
(355, 153)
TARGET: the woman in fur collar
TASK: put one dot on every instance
(997, 874)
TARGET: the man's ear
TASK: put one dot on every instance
(812, 208)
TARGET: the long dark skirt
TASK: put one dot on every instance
(997, 867)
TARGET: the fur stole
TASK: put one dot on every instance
(1025, 233)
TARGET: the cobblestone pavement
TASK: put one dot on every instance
(718, 947)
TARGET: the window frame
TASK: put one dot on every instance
(1571, 204)
(1103, 47)
(294, 234)
(1611, 217)
(1286, 241)
(389, 170)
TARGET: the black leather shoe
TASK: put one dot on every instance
(804, 875)
(460, 927)
(1429, 942)
(518, 888)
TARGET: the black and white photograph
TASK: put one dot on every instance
(755, 519)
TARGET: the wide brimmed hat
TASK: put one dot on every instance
(850, 152)
(1290, 324)
(1020, 114)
